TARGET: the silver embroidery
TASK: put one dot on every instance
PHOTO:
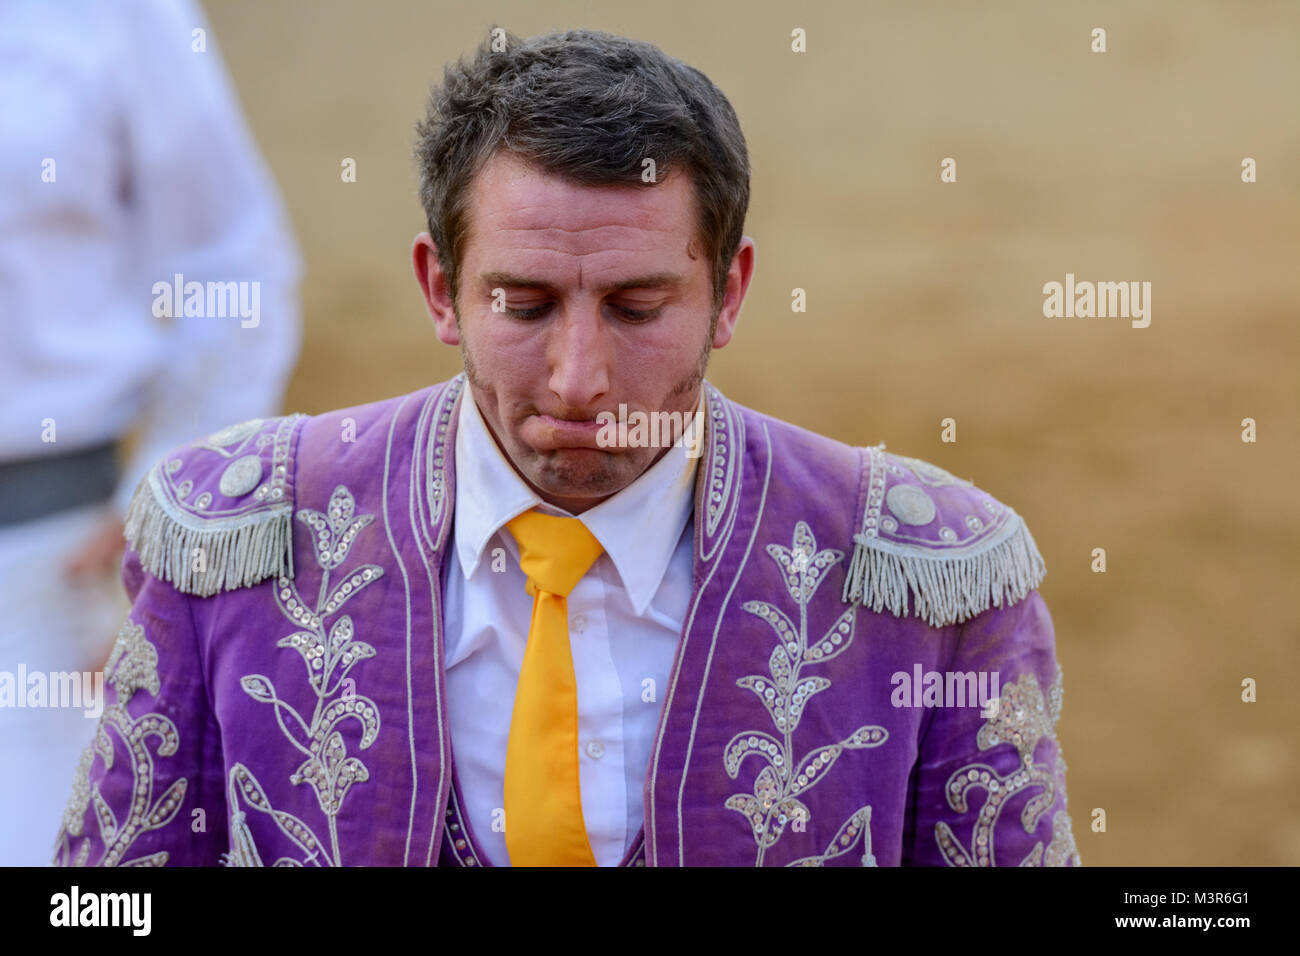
(784, 692)
(720, 476)
(245, 542)
(1021, 719)
(274, 490)
(328, 653)
(244, 790)
(132, 666)
(910, 504)
(871, 522)
(939, 577)
(232, 434)
(855, 827)
(463, 849)
(240, 477)
(1062, 851)
(439, 461)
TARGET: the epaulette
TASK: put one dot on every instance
(951, 548)
(216, 514)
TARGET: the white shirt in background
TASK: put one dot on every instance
(155, 173)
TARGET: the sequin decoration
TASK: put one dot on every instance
(1021, 719)
(439, 462)
(856, 828)
(871, 521)
(784, 692)
(720, 472)
(132, 667)
(329, 650)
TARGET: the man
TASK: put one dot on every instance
(125, 153)
(461, 627)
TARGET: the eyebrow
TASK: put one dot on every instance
(651, 280)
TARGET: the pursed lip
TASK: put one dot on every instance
(569, 433)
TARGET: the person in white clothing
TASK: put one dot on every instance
(127, 173)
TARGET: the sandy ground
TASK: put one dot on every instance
(925, 302)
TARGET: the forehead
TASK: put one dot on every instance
(516, 205)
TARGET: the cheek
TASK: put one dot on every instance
(503, 352)
(666, 346)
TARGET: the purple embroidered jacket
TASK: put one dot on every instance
(280, 684)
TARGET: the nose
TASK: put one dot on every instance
(580, 352)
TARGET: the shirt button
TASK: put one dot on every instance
(580, 623)
(595, 750)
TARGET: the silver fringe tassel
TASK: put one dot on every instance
(947, 589)
(236, 552)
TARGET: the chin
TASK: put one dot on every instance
(582, 473)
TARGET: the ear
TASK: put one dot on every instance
(433, 285)
(738, 278)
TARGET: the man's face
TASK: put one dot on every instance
(608, 301)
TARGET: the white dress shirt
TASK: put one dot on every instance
(625, 621)
(154, 173)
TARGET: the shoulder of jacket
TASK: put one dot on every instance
(937, 542)
(215, 514)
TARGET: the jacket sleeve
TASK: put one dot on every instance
(988, 788)
(148, 789)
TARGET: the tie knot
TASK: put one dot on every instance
(554, 552)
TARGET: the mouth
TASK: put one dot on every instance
(558, 433)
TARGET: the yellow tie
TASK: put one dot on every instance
(544, 824)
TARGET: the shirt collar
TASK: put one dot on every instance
(639, 527)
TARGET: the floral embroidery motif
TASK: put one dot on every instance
(132, 666)
(784, 692)
(1021, 719)
(328, 653)
(845, 840)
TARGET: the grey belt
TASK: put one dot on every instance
(36, 487)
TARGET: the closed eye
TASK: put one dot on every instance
(632, 315)
(637, 315)
(533, 313)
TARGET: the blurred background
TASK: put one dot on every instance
(925, 302)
